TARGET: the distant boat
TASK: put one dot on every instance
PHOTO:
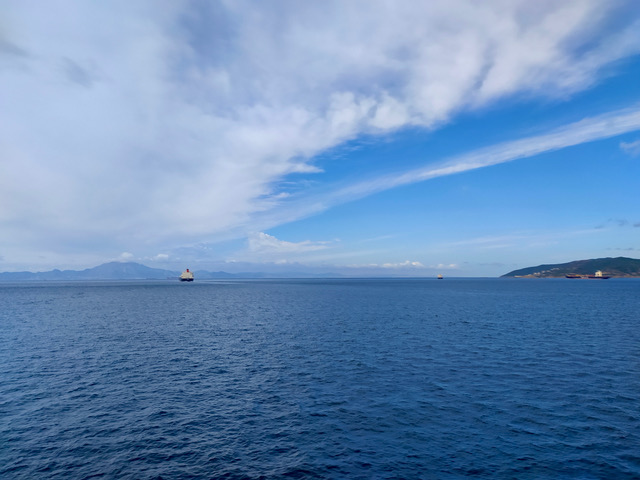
(573, 275)
(186, 276)
(440, 277)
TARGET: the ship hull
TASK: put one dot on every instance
(592, 277)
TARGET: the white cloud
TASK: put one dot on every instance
(156, 123)
(407, 263)
(445, 266)
(521, 239)
(263, 243)
(126, 257)
(632, 148)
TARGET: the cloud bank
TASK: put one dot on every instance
(142, 125)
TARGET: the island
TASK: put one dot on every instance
(619, 267)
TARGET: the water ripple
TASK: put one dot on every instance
(321, 379)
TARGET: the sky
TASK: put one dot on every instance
(355, 137)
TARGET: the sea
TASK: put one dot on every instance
(321, 379)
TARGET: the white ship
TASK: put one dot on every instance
(186, 276)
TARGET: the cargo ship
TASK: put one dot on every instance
(598, 275)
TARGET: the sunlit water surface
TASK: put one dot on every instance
(482, 378)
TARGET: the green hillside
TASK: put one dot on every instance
(615, 267)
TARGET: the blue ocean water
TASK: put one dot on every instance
(362, 379)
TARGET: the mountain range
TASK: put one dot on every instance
(614, 267)
(134, 271)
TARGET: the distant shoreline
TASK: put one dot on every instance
(619, 267)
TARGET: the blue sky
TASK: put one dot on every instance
(361, 138)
